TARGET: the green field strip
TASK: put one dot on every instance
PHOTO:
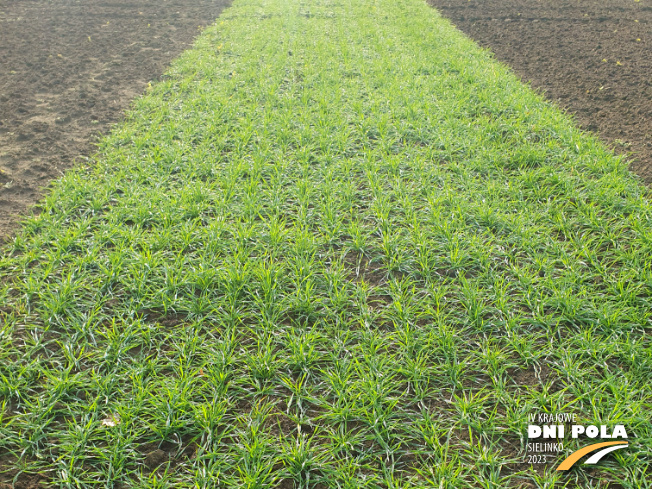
(339, 246)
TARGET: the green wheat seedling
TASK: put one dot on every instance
(338, 246)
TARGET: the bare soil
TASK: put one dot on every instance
(68, 70)
(593, 58)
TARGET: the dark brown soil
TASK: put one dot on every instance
(25, 482)
(68, 69)
(593, 58)
(155, 458)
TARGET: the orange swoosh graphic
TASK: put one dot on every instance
(575, 456)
